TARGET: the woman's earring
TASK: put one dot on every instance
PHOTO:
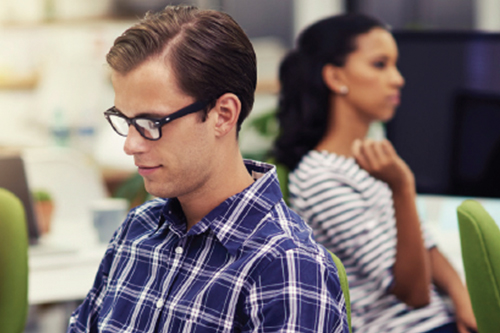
(344, 90)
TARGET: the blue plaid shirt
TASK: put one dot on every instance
(250, 265)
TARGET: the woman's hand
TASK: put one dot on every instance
(379, 159)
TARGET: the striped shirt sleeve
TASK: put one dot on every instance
(429, 241)
(345, 221)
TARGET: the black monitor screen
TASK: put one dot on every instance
(475, 169)
(438, 68)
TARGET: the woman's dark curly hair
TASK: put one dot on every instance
(304, 97)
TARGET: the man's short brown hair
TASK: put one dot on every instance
(207, 50)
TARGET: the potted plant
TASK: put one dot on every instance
(44, 207)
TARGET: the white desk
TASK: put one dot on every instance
(439, 214)
(66, 275)
(62, 277)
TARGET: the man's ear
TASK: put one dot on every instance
(333, 78)
(227, 111)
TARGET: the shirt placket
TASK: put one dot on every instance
(177, 258)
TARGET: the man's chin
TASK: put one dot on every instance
(159, 191)
(151, 189)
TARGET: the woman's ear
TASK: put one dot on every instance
(333, 78)
(227, 111)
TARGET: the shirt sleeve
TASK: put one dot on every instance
(348, 223)
(429, 241)
(85, 317)
(297, 293)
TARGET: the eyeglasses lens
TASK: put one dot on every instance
(119, 124)
(148, 128)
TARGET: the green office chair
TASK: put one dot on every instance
(344, 285)
(480, 241)
(13, 264)
(282, 172)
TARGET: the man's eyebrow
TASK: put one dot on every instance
(143, 114)
(150, 115)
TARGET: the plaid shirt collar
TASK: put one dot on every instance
(235, 218)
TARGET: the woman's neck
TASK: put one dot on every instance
(345, 125)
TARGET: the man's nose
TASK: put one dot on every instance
(134, 143)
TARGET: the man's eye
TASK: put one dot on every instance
(380, 64)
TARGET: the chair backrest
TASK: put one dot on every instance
(13, 264)
(344, 284)
(480, 241)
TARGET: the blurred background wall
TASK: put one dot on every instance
(54, 83)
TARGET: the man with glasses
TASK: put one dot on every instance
(218, 250)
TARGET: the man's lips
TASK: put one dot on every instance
(147, 170)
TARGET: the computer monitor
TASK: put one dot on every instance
(475, 168)
(437, 67)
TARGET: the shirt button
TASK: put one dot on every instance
(179, 250)
(159, 303)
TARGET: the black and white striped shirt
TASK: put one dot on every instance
(352, 214)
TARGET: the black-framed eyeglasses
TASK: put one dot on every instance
(148, 127)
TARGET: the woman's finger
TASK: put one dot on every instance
(381, 154)
(358, 155)
(368, 151)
